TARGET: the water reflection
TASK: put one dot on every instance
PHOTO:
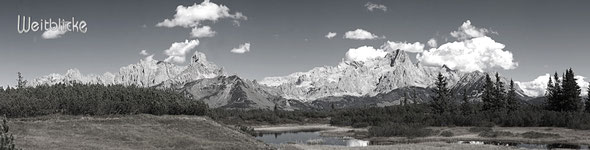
(311, 138)
(529, 146)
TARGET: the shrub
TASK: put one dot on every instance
(493, 134)
(246, 129)
(480, 129)
(6, 139)
(537, 135)
(400, 129)
(447, 134)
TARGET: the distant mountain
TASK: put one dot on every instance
(146, 73)
(371, 78)
(378, 82)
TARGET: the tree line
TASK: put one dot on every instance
(94, 99)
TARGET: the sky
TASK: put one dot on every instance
(262, 38)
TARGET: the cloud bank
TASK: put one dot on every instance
(178, 50)
(360, 34)
(193, 17)
(415, 47)
(243, 48)
(371, 6)
(474, 51)
(204, 31)
(364, 53)
(538, 86)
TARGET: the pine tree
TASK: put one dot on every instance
(549, 94)
(466, 107)
(6, 139)
(572, 100)
(441, 101)
(499, 94)
(405, 100)
(554, 94)
(487, 95)
(588, 100)
(511, 99)
(21, 82)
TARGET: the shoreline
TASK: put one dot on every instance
(566, 136)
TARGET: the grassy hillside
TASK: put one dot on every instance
(128, 132)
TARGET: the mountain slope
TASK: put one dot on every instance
(145, 73)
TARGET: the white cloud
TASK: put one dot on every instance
(177, 51)
(243, 48)
(360, 34)
(371, 6)
(144, 52)
(331, 35)
(364, 53)
(204, 31)
(432, 42)
(415, 47)
(473, 52)
(53, 33)
(193, 17)
(467, 31)
(538, 86)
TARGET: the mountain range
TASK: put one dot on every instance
(381, 81)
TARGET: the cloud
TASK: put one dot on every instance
(331, 35)
(371, 6)
(432, 42)
(193, 17)
(204, 31)
(538, 86)
(364, 53)
(473, 52)
(243, 48)
(177, 51)
(416, 47)
(144, 52)
(467, 31)
(54, 33)
(360, 34)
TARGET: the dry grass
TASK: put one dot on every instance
(128, 132)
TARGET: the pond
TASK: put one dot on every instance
(311, 138)
(529, 146)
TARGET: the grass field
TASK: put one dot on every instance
(128, 132)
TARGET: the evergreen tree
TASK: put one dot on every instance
(572, 101)
(405, 100)
(441, 101)
(6, 139)
(488, 94)
(21, 82)
(588, 100)
(466, 106)
(511, 99)
(499, 95)
(554, 93)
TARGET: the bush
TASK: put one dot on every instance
(447, 134)
(480, 129)
(6, 139)
(246, 129)
(537, 135)
(493, 134)
(400, 129)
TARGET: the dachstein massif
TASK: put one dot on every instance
(381, 81)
